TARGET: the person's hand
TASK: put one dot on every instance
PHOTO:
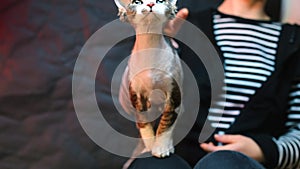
(173, 26)
(237, 143)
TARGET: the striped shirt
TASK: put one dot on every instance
(289, 143)
(249, 50)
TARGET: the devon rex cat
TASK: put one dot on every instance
(154, 72)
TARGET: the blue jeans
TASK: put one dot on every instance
(215, 160)
(227, 160)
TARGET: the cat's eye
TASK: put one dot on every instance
(160, 1)
(137, 2)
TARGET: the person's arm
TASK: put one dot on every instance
(282, 153)
(289, 143)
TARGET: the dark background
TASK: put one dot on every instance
(39, 43)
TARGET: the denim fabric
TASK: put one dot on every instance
(227, 160)
(215, 160)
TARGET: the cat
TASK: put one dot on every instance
(155, 72)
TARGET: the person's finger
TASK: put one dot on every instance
(174, 25)
(226, 138)
(208, 147)
(212, 148)
(182, 13)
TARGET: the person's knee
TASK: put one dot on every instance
(227, 159)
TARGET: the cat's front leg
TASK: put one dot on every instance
(163, 145)
(147, 135)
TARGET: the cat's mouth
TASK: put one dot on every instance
(147, 11)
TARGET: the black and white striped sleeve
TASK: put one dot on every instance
(289, 143)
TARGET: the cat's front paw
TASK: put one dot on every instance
(162, 147)
(148, 142)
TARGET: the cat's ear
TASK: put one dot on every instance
(172, 15)
(173, 2)
(122, 4)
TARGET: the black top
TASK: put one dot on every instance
(264, 117)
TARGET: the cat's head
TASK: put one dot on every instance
(139, 11)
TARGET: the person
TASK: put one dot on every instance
(260, 126)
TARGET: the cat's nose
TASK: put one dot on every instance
(151, 4)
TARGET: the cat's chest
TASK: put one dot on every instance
(161, 59)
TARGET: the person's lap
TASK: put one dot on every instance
(226, 159)
(172, 162)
